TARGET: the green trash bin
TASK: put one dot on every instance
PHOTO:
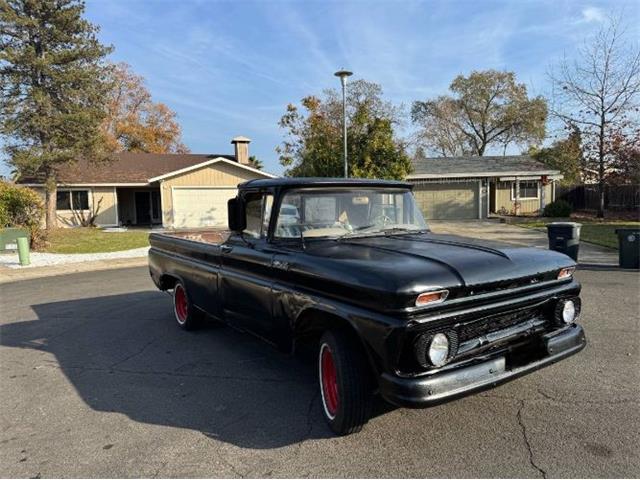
(9, 238)
(564, 237)
(628, 247)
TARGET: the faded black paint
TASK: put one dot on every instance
(265, 287)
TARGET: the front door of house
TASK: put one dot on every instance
(155, 207)
(143, 208)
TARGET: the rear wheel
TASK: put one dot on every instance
(345, 382)
(187, 316)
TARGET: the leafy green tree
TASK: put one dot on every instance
(564, 155)
(313, 144)
(487, 108)
(52, 88)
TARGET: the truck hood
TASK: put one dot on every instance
(410, 264)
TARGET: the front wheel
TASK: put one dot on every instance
(345, 382)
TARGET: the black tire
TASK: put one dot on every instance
(347, 407)
(188, 317)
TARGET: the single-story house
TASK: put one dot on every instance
(477, 187)
(172, 190)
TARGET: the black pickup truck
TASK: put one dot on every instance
(351, 268)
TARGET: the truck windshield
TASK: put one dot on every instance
(347, 212)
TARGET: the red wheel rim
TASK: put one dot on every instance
(329, 381)
(180, 303)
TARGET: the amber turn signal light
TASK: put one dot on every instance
(566, 272)
(429, 298)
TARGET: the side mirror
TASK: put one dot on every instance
(236, 214)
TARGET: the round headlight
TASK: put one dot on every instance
(439, 350)
(568, 312)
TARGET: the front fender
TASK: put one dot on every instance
(372, 329)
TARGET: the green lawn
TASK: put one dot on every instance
(592, 231)
(94, 240)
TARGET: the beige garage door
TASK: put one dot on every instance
(201, 207)
(448, 201)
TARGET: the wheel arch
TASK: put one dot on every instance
(312, 322)
(168, 280)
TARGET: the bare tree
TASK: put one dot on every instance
(440, 131)
(598, 93)
(485, 109)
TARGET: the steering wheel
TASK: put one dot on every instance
(384, 219)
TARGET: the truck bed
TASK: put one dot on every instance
(213, 236)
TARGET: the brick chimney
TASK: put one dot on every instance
(241, 145)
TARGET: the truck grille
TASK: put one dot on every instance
(483, 326)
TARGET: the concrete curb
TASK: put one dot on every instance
(8, 275)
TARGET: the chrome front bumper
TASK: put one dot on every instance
(442, 387)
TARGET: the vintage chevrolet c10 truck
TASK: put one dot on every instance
(350, 267)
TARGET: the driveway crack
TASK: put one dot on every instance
(222, 457)
(526, 440)
(135, 354)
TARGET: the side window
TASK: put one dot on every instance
(253, 210)
(258, 210)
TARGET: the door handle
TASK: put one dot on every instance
(226, 248)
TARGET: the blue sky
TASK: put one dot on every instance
(230, 67)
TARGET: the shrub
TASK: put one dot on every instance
(22, 207)
(559, 208)
(4, 215)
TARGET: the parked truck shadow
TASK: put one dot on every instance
(123, 353)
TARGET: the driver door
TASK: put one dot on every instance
(246, 276)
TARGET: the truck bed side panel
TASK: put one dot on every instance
(196, 264)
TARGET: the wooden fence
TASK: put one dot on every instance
(586, 197)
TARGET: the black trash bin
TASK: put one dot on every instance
(629, 247)
(564, 237)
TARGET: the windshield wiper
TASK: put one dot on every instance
(358, 232)
(361, 231)
(403, 230)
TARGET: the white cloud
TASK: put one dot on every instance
(593, 14)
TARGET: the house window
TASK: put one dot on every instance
(72, 200)
(63, 200)
(528, 190)
(80, 200)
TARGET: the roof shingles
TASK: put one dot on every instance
(478, 166)
(126, 167)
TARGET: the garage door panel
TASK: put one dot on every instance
(448, 201)
(201, 207)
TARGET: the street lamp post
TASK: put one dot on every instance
(343, 75)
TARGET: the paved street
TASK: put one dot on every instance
(96, 380)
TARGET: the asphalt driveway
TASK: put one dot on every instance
(95, 380)
(493, 230)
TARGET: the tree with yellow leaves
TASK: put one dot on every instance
(134, 122)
